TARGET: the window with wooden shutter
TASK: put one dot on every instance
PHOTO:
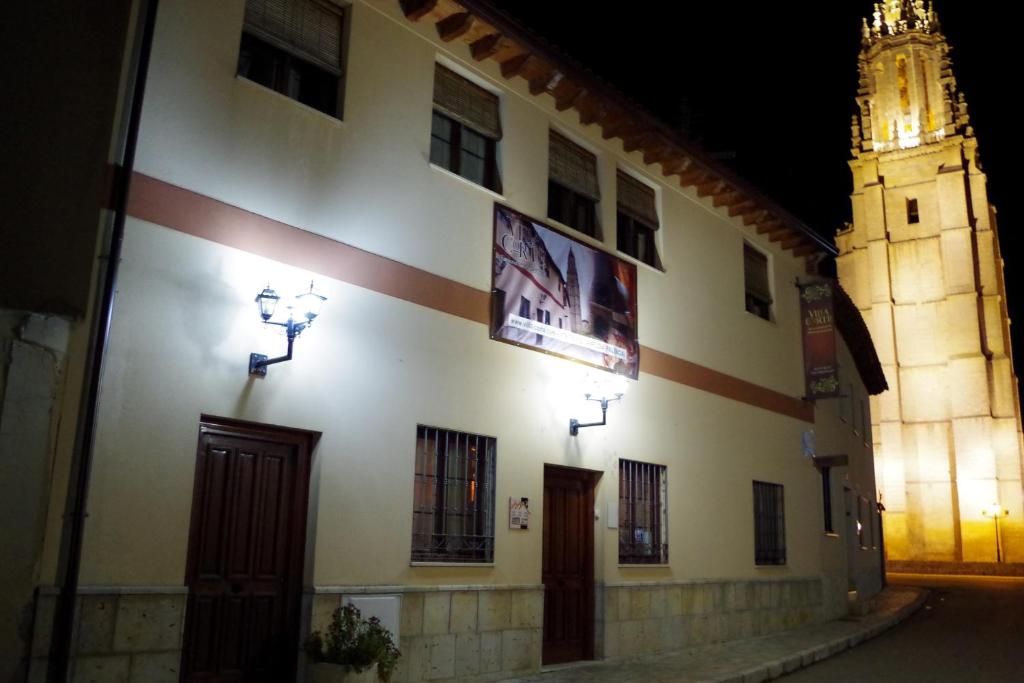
(573, 190)
(295, 48)
(465, 129)
(636, 219)
(756, 282)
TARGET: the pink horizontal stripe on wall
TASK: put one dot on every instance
(174, 207)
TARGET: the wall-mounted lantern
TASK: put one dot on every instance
(599, 394)
(996, 512)
(305, 306)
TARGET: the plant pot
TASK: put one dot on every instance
(339, 673)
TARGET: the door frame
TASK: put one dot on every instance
(305, 442)
(589, 478)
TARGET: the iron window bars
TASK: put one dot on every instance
(769, 524)
(643, 513)
(453, 508)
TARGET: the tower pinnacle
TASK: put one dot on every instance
(907, 95)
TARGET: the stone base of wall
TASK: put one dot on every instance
(646, 618)
(464, 633)
(972, 568)
(122, 635)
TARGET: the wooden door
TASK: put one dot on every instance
(568, 565)
(246, 547)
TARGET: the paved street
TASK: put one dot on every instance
(970, 629)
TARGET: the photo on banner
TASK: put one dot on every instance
(558, 295)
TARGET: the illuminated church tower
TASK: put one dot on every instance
(922, 263)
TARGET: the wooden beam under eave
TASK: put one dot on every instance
(455, 26)
(674, 164)
(483, 48)
(793, 241)
(755, 217)
(805, 249)
(617, 125)
(710, 187)
(783, 233)
(415, 10)
(770, 227)
(632, 143)
(589, 113)
(656, 153)
(692, 176)
(741, 208)
(539, 83)
(726, 198)
(571, 95)
(514, 66)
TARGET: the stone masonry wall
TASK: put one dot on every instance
(645, 618)
(119, 637)
(459, 633)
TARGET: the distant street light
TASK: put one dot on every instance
(996, 512)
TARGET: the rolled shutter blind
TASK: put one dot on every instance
(572, 166)
(308, 29)
(755, 273)
(466, 102)
(637, 200)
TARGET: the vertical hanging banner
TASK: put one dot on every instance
(821, 373)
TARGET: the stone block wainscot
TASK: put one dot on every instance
(646, 618)
(130, 635)
(478, 633)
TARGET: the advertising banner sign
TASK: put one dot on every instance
(821, 373)
(555, 294)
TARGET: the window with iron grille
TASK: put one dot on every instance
(295, 48)
(643, 513)
(756, 282)
(465, 129)
(769, 524)
(453, 508)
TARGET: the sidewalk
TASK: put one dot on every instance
(748, 661)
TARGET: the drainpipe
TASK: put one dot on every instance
(81, 463)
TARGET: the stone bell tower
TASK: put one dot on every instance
(921, 261)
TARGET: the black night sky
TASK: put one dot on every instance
(770, 89)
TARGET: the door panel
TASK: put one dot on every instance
(246, 546)
(568, 565)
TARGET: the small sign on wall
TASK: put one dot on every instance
(518, 513)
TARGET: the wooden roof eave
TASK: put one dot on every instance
(491, 35)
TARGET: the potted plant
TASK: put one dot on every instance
(353, 650)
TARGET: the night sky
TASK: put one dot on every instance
(768, 88)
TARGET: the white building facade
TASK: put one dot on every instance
(228, 514)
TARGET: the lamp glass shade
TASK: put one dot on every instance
(267, 301)
(309, 303)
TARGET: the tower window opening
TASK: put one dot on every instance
(912, 214)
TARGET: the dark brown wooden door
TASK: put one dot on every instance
(246, 546)
(568, 565)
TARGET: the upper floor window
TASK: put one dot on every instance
(769, 524)
(465, 129)
(453, 507)
(637, 220)
(643, 513)
(826, 498)
(756, 282)
(295, 48)
(573, 192)
(913, 216)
